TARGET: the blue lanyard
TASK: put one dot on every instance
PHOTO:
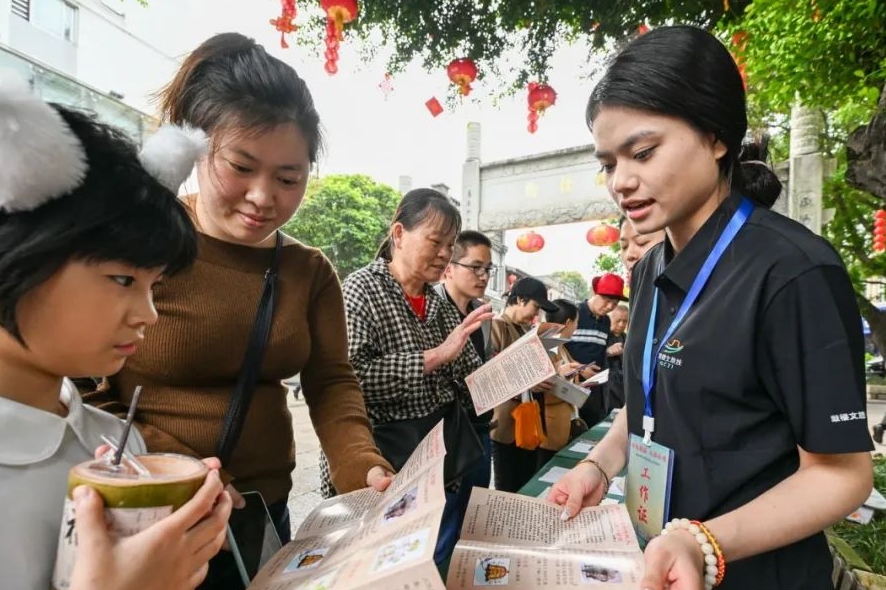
(649, 360)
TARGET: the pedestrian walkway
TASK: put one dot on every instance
(305, 494)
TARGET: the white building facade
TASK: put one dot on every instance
(82, 53)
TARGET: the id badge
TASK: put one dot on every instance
(648, 487)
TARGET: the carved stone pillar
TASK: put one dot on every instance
(806, 178)
(470, 180)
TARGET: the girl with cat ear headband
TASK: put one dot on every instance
(88, 225)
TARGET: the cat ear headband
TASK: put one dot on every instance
(44, 160)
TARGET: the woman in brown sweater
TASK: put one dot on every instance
(264, 135)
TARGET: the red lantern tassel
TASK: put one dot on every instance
(285, 23)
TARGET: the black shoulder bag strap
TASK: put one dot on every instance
(252, 361)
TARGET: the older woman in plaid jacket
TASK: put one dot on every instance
(408, 345)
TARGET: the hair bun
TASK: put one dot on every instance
(753, 176)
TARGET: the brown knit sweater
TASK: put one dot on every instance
(190, 360)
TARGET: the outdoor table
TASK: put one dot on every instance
(566, 458)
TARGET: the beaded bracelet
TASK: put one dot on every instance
(715, 563)
(602, 472)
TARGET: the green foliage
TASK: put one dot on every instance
(493, 32)
(575, 280)
(867, 539)
(828, 52)
(851, 231)
(830, 55)
(607, 262)
(346, 216)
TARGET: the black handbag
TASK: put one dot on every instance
(251, 367)
(223, 572)
(397, 440)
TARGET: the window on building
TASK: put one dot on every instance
(55, 16)
(22, 8)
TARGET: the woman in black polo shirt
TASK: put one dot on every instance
(745, 335)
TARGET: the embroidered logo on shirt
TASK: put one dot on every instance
(673, 347)
(849, 417)
(667, 358)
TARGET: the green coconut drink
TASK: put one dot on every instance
(174, 480)
(133, 501)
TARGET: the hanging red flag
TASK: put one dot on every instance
(434, 106)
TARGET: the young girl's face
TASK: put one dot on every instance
(87, 318)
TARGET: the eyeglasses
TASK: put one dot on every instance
(477, 269)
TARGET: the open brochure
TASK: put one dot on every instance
(519, 367)
(598, 379)
(368, 539)
(520, 542)
(549, 333)
(569, 391)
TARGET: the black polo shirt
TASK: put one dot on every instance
(770, 357)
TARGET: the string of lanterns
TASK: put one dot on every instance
(601, 235)
(462, 71)
(540, 97)
(880, 230)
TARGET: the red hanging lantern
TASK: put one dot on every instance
(880, 231)
(285, 23)
(539, 98)
(530, 242)
(462, 72)
(602, 235)
(338, 12)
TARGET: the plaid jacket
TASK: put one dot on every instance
(386, 344)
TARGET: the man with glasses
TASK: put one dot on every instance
(465, 279)
(463, 286)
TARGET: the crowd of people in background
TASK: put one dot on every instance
(383, 355)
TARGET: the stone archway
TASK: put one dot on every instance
(549, 188)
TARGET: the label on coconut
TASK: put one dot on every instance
(122, 522)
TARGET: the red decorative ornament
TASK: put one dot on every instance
(739, 43)
(880, 231)
(530, 242)
(540, 97)
(338, 12)
(462, 72)
(642, 29)
(385, 85)
(434, 106)
(602, 235)
(285, 23)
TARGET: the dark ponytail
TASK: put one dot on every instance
(752, 176)
(231, 83)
